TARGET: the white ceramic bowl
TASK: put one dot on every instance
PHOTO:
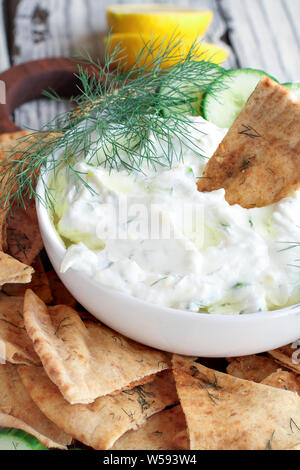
(179, 331)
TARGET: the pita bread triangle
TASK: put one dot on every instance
(86, 360)
(13, 271)
(226, 413)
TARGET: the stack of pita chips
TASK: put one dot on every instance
(68, 377)
(91, 383)
(258, 161)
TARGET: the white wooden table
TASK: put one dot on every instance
(261, 33)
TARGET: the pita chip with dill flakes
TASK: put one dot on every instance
(7, 143)
(85, 359)
(15, 343)
(288, 357)
(13, 271)
(226, 413)
(101, 423)
(156, 433)
(258, 161)
(254, 368)
(19, 411)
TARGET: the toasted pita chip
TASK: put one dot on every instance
(60, 294)
(39, 284)
(24, 240)
(101, 423)
(226, 413)
(254, 368)
(285, 380)
(12, 271)
(258, 162)
(181, 440)
(19, 411)
(156, 434)
(86, 360)
(15, 342)
(288, 357)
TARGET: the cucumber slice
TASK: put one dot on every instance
(14, 439)
(294, 87)
(184, 95)
(229, 94)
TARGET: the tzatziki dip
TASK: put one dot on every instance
(151, 234)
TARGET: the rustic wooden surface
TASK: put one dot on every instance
(261, 33)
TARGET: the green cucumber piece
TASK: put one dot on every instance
(183, 96)
(228, 95)
(14, 439)
(294, 87)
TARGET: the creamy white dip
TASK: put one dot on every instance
(227, 260)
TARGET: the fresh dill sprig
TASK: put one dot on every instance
(294, 425)
(116, 121)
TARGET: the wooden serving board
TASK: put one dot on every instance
(27, 81)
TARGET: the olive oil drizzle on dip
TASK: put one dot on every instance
(241, 262)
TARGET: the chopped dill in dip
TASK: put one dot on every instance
(227, 260)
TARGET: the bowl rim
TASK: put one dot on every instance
(46, 223)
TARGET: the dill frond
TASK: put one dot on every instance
(116, 121)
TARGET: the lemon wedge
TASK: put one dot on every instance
(132, 44)
(161, 20)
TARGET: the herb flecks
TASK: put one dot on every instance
(144, 398)
(19, 241)
(62, 325)
(12, 324)
(249, 131)
(294, 426)
(270, 442)
(214, 385)
(240, 285)
(194, 371)
(129, 414)
(246, 163)
(206, 384)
